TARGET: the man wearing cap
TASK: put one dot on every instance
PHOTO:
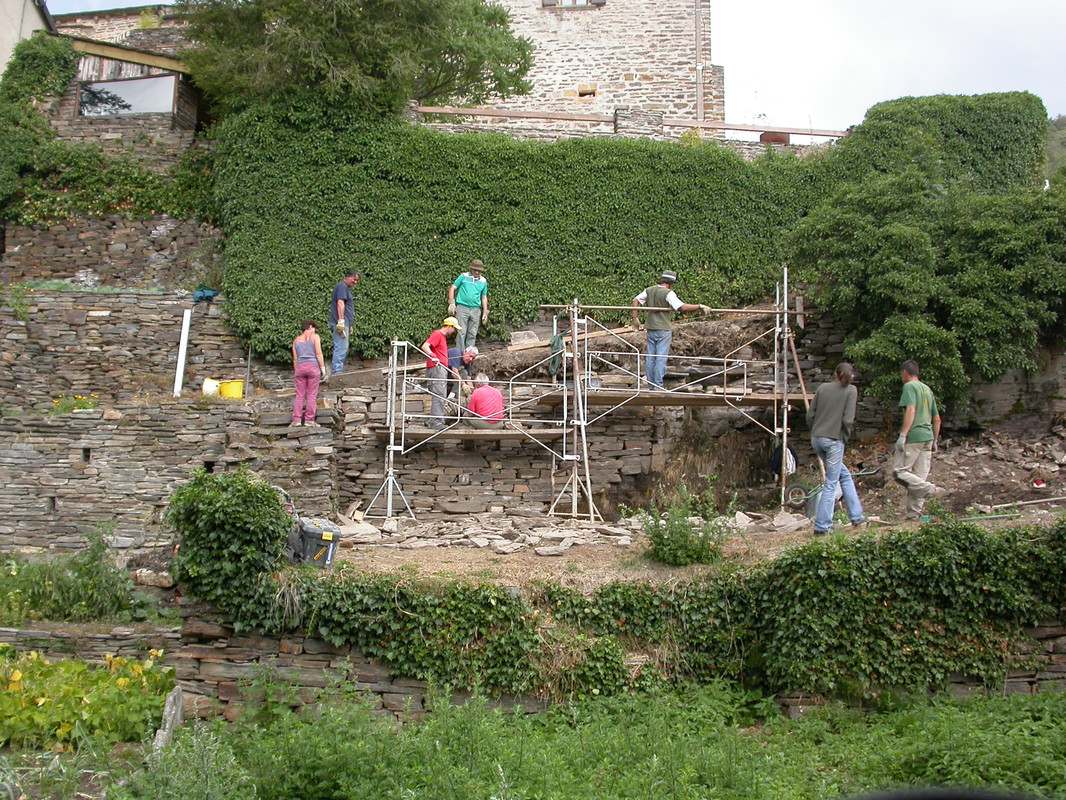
(341, 317)
(437, 370)
(468, 302)
(661, 302)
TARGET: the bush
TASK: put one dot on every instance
(67, 704)
(231, 528)
(80, 587)
(680, 535)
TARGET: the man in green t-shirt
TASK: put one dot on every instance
(468, 302)
(917, 440)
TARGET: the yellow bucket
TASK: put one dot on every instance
(231, 389)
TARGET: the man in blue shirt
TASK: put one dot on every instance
(468, 302)
(341, 317)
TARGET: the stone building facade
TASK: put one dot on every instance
(593, 57)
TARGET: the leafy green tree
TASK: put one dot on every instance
(1056, 144)
(372, 55)
(966, 283)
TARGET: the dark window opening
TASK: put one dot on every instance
(209, 467)
(86, 455)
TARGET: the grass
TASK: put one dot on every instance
(717, 741)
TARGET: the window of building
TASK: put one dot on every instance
(572, 3)
(133, 96)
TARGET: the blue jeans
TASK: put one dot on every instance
(831, 451)
(658, 347)
(340, 352)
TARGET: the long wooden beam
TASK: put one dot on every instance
(126, 54)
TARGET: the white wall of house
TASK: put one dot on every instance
(18, 20)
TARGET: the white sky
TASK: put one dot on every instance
(822, 63)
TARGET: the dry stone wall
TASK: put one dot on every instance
(156, 253)
(214, 666)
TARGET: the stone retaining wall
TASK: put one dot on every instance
(215, 666)
(120, 461)
(156, 253)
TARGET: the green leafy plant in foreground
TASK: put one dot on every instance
(712, 741)
(76, 587)
(64, 704)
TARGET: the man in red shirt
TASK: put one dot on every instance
(436, 349)
(485, 406)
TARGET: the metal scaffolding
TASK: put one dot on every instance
(598, 372)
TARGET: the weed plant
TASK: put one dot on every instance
(716, 741)
(686, 530)
(84, 586)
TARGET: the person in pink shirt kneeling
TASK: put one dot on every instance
(485, 407)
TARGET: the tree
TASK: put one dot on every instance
(371, 55)
(1056, 145)
(966, 283)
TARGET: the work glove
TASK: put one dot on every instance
(484, 316)
(705, 309)
(901, 442)
(451, 309)
(322, 373)
(342, 329)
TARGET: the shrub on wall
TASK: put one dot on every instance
(231, 528)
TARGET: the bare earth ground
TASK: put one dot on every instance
(993, 467)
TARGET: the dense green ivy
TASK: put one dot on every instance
(842, 616)
(306, 194)
(303, 199)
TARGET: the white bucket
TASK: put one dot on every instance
(210, 387)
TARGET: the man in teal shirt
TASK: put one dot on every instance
(917, 440)
(468, 302)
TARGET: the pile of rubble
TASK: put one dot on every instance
(501, 535)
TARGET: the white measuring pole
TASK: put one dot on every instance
(179, 374)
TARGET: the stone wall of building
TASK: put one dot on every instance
(154, 139)
(596, 57)
(115, 25)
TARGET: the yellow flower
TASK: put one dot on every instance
(123, 681)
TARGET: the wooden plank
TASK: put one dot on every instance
(566, 339)
(129, 55)
(598, 397)
(472, 434)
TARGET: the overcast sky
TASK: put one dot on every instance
(822, 63)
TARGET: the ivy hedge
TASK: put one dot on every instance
(844, 616)
(306, 194)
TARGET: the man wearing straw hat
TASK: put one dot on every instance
(662, 302)
(468, 302)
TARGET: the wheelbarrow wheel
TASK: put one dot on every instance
(796, 497)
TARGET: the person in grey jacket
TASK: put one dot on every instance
(830, 417)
